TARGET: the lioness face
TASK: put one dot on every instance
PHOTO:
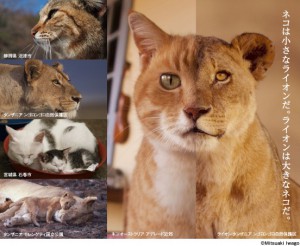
(194, 91)
(78, 213)
(50, 88)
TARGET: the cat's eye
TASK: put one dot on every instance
(56, 82)
(222, 77)
(169, 81)
(51, 13)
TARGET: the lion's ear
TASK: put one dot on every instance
(33, 69)
(258, 50)
(89, 201)
(58, 66)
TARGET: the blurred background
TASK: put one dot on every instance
(16, 20)
(89, 78)
(223, 19)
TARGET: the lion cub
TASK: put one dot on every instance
(5, 205)
(37, 207)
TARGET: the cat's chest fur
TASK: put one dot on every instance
(174, 180)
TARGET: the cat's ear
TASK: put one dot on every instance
(12, 133)
(33, 69)
(102, 10)
(148, 37)
(95, 7)
(58, 66)
(89, 201)
(66, 152)
(258, 50)
(39, 137)
(42, 157)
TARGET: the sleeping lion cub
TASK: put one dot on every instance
(36, 207)
(206, 168)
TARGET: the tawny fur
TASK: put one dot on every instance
(34, 88)
(215, 172)
(5, 205)
(79, 213)
(38, 208)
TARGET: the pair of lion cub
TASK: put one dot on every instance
(29, 209)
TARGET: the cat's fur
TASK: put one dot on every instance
(39, 208)
(73, 29)
(40, 136)
(5, 205)
(62, 161)
(54, 161)
(206, 165)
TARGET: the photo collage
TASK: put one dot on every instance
(149, 119)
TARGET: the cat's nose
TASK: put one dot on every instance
(195, 113)
(33, 31)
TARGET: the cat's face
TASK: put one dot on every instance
(56, 158)
(193, 91)
(56, 25)
(65, 25)
(24, 146)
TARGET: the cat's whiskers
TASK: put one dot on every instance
(56, 37)
(46, 49)
(31, 49)
(34, 52)
(26, 48)
(50, 49)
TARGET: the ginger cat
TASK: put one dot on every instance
(206, 165)
(36, 207)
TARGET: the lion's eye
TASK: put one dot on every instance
(222, 77)
(56, 82)
(169, 81)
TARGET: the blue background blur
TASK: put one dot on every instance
(32, 6)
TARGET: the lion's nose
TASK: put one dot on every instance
(196, 113)
(76, 99)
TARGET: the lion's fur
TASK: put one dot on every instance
(34, 88)
(79, 213)
(5, 204)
